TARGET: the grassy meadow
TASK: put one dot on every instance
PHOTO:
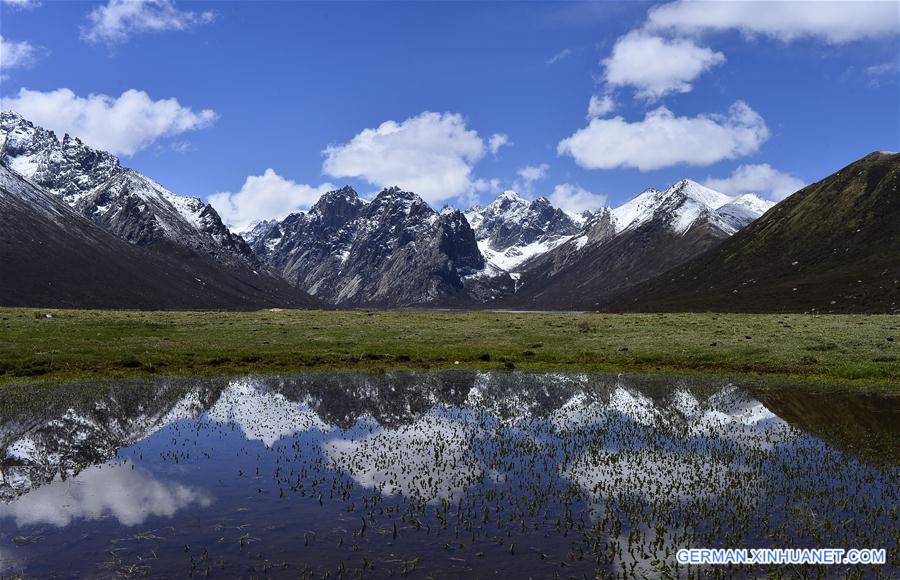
(44, 345)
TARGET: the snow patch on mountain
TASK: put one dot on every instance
(511, 230)
(125, 202)
(685, 204)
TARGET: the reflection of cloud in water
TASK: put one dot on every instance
(117, 490)
(265, 416)
(429, 459)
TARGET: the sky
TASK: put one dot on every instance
(260, 107)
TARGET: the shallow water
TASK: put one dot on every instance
(438, 475)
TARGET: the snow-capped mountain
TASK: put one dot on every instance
(392, 251)
(55, 257)
(81, 231)
(687, 203)
(125, 202)
(830, 247)
(510, 230)
(620, 247)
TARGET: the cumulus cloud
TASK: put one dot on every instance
(574, 199)
(17, 54)
(662, 140)
(761, 178)
(119, 20)
(122, 125)
(263, 197)
(496, 141)
(431, 154)
(655, 66)
(834, 22)
(600, 106)
(559, 56)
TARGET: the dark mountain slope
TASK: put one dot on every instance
(833, 246)
(51, 256)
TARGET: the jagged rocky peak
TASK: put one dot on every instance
(393, 250)
(257, 229)
(338, 206)
(458, 241)
(512, 220)
(394, 201)
(511, 230)
(68, 168)
(122, 200)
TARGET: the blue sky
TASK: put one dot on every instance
(790, 92)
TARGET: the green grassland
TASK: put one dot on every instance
(850, 350)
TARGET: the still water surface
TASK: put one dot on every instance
(438, 475)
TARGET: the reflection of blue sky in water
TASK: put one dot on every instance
(110, 490)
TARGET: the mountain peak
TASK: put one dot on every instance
(345, 194)
(396, 192)
(508, 198)
(700, 193)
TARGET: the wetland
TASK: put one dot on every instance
(440, 475)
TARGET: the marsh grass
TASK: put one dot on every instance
(858, 350)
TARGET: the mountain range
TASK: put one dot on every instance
(80, 230)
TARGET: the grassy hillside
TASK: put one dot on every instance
(844, 349)
(833, 246)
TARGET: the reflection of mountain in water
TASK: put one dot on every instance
(59, 441)
(411, 427)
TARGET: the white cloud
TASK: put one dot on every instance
(122, 125)
(574, 199)
(600, 106)
(762, 179)
(559, 56)
(834, 22)
(431, 154)
(496, 141)
(118, 20)
(22, 4)
(15, 54)
(533, 172)
(264, 197)
(656, 66)
(661, 139)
